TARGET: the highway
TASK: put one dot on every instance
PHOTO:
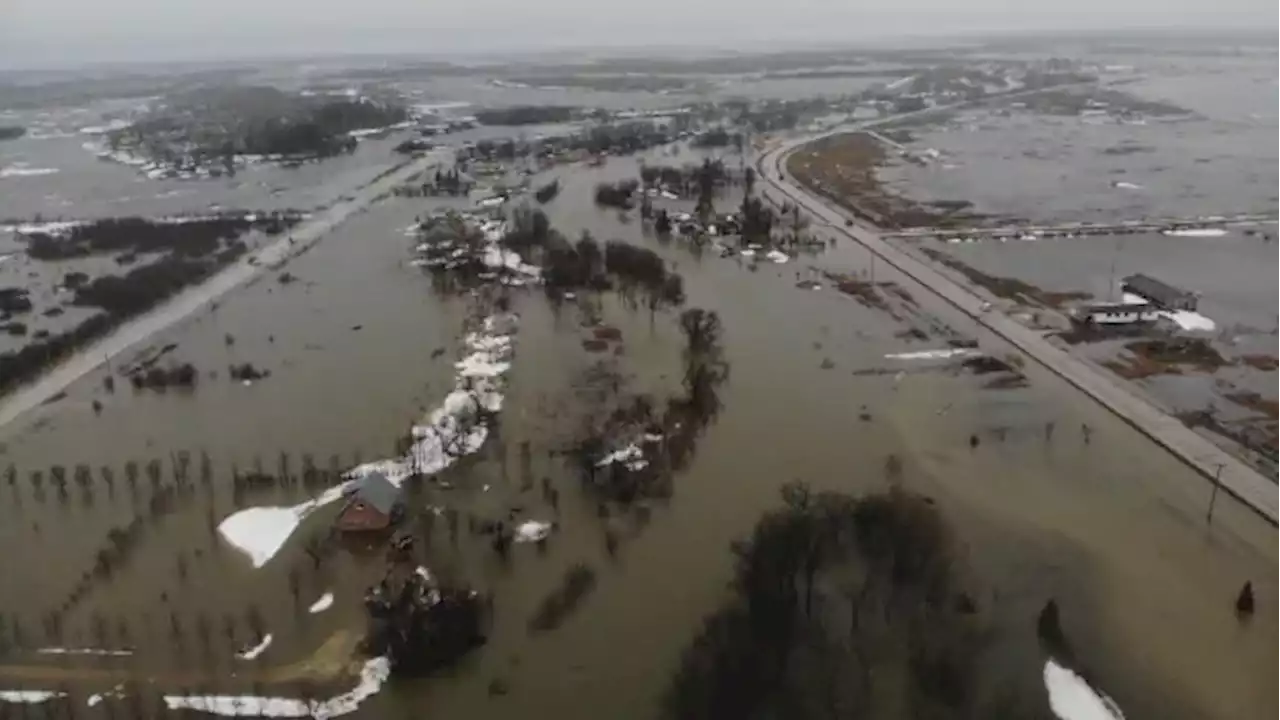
(1237, 478)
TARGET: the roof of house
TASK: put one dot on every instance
(1154, 289)
(377, 491)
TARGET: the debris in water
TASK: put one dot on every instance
(256, 650)
(1244, 601)
(324, 603)
(532, 531)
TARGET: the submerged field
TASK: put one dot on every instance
(841, 375)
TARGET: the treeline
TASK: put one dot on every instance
(612, 139)
(619, 195)
(632, 270)
(526, 115)
(320, 131)
(842, 607)
(14, 300)
(718, 138)
(120, 298)
(296, 139)
(548, 192)
(137, 235)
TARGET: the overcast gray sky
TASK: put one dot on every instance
(40, 32)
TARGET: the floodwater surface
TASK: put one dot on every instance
(360, 345)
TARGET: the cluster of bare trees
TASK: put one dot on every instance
(832, 594)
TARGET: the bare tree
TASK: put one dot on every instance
(206, 468)
(154, 473)
(131, 475)
(83, 475)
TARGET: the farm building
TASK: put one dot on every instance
(1115, 313)
(374, 504)
(1159, 293)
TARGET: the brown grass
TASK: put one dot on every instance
(1147, 358)
(1011, 381)
(864, 292)
(1260, 362)
(1007, 287)
(1255, 402)
(843, 168)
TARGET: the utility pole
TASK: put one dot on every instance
(1213, 498)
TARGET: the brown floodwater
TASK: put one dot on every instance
(1113, 528)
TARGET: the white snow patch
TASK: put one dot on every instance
(1122, 185)
(1188, 320)
(1071, 698)
(942, 354)
(28, 696)
(450, 432)
(20, 170)
(1195, 232)
(777, 256)
(260, 532)
(116, 692)
(631, 456)
(84, 651)
(324, 603)
(1134, 299)
(372, 676)
(104, 129)
(532, 531)
(256, 650)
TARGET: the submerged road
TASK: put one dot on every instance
(1237, 478)
(191, 300)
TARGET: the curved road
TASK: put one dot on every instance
(1242, 481)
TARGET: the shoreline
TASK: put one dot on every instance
(188, 302)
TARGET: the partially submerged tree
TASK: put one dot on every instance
(843, 607)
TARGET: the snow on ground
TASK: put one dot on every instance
(324, 603)
(117, 124)
(943, 354)
(372, 676)
(28, 696)
(777, 256)
(532, 531)
(260, 532)
(1188, 320)
(84, 651)
(21, 170)
(452, 430)
(1071, 698)
(1195, 232)
(1122, 185)
(631, 456)
(256, 650)
(116, 692)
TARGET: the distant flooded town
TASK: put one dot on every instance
(933, 381)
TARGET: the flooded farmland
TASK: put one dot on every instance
(1051, 496)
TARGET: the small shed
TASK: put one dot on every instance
(1160, 293)
(374, 504)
